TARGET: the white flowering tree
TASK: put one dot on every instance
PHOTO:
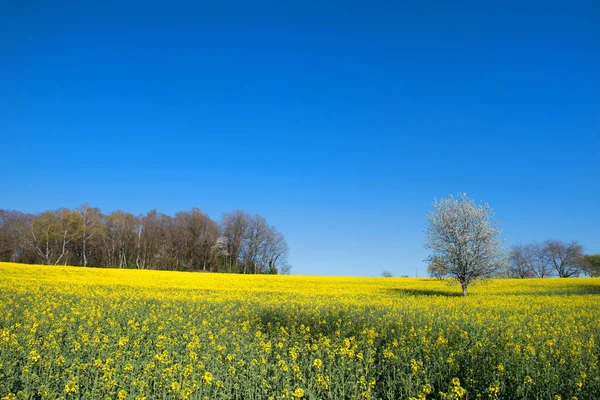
(465, 240)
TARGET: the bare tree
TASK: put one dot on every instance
(50, 233)
(235, 226)
(276, 249)
(464, 240)
(196, 234)
(120, 237)
(436, 268)
(256, 242)
(522, 258)
(43, 231)
(150, 237)
(12, 226)
(566, 258)
(285, 269)
(169, 255)
(89, 225)
(252, 245)
(541, 260)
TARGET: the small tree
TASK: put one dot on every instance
(464, 240)
(436, 268)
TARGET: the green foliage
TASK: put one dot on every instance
(592, 264)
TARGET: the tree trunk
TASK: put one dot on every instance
(64, 245)
(47, 250)
(464, 288)
(139, 246)
(84, 256)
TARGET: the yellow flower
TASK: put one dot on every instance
(34, 356)
(494, 390)
(207, 378)
(159, 333)
(323, 382)
(298, 393)
(71, 387)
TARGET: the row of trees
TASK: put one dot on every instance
(466, 245)
(551, 258)
(189, 240)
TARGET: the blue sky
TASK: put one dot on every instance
(337, 121)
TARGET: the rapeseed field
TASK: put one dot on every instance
(85, 333)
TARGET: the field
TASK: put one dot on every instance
(123, 334)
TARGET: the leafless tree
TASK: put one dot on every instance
(255, 245)
(50, 233)
(541, 261)
(276, 251)
(284, 269)
(12, 228)
(522, 259)
(120, 237)
(436, 268)
(252, 245)
(149, 232)
(159, 242)
(566, 258)
(88, 222)
(196, 234)
(235, 226)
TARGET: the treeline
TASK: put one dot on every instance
(552, 258)
(187, 241)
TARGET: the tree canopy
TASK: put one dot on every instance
(189, 240)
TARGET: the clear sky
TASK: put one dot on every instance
(337, 121)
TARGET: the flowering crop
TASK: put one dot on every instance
(127, 334)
